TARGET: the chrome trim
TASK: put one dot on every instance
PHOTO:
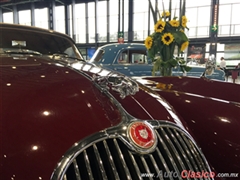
(122, 160)
(86, 160)
(109, 150)
(121, 84)
(135, 165)
(107, 80)
(169, 155)
(99, 161)
(77, 172)
(164, 163)
(146, 167)
(110, 159)
(155, 165)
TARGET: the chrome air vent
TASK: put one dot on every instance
(111, 156)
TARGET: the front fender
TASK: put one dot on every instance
(215, 125)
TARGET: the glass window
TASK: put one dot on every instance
(25, 17)
(41, 18)
(102, 8)
(228, 1)
(192, 15)
(202, 31)
(102, 21)
(91, 22)
(203, 16)
(139, 58)
(113, 18)
(123, 58)
(37, 42)
(70, 21)
(60, 19)
(191, 3)
(224, 20)
(91, 28)
(126, 2)
(223, 17)
(141, 27)
(220, 47)
(224, 30)
(198, 21)
(133, 57)
(235, 29)
(8, 17)
(235, 14)
(80, 23)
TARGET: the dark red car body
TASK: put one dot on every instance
(48, 104)
(212, 112)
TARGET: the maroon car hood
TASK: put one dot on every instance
(211, 110)
(46, 107)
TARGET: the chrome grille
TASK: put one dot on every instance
(110, 158)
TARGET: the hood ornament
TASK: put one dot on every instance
(121, 84)
(209, 68)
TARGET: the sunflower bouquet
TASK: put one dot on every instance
(168, 35)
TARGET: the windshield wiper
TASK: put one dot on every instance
(22, 51)
(58, 56)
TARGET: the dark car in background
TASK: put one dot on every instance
(131, 59)
(64, 118)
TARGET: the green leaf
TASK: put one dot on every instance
(180, 37)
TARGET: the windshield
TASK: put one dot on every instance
(97, 55)
(36, 43)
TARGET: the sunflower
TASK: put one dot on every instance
(174, 23)
(159, 26)
(184, 21)
(148, 42)
(184, 45)
(166, 13)
(184, 24)
(167, 38)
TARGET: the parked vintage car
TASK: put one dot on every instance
(131, 59)
(64, 118)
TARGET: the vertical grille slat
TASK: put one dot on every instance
(171, 144)
(192, 162)
(174, 144)
(111, 161)
(88, 166)
(155, 166)
(169, 154)
(76, 169)
(99, 162)
(64, 177)
(163, 162)
(128, 175)
(146, 166)
(110, 157)
(195, 154)
(135, 165)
